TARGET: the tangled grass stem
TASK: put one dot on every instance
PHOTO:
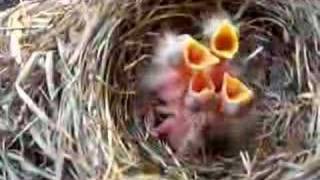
(69, 114)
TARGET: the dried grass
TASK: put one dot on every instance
(68, 80)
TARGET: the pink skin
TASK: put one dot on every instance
(185, 130)
(171, 90)
(173, 84)
(189, 127)
(173, 130)
(183, 134)
(168, 83)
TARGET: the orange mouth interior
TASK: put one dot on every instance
(200, 83)
(225, 41)
(236, 91)
(197, 56)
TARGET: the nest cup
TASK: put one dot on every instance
(71, 106)
(265, 56)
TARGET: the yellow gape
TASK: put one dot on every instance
(200, 85)
(201, 92)
(234, 94)
(197, 56)
(224, 42)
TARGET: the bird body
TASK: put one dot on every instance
(200, 88)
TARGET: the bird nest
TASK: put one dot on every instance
(70, 77)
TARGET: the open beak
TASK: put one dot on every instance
(234, 95)
(197, 56)
(200, 91)
(225, 41)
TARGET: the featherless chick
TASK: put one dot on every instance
(200, 88)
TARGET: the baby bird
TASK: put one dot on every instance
(176, 58)
(184, 91)
(222, 35)
(182, 131)
(196, 120)
(200, 88)
(167, 74)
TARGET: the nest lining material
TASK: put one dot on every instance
(82, 125)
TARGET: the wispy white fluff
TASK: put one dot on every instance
(169, 51)
(210, 25)
(168, 54)
(154, 77)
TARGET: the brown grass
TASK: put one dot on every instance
(69, 77)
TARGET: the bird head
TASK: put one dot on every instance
(234, 96)
(197, 56)
(200, 93)
(224, 42)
